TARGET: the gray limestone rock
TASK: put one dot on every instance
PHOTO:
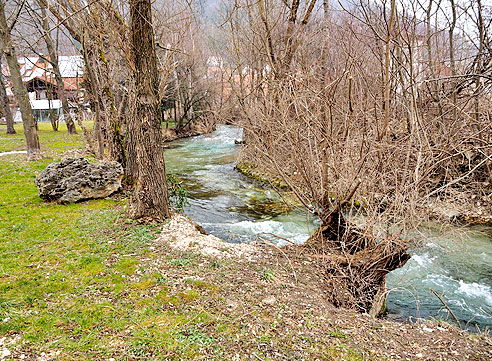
(75, 179)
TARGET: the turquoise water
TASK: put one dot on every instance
(456, 263)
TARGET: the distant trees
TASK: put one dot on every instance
(188, 92)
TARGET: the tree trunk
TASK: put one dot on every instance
(150, 199)
(53, 117)
(355, 265)
(6, 107)
(32, 140)
(432, 72)
(452, 60)
(478, 86)
(89, 54)
(56, 70)
(131, 169)
(114, 138)
(127, 113)
(387, 65)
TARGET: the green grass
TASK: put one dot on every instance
(49, 139)
(70, 275)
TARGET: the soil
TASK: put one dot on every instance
(292, 296)
(461, 209)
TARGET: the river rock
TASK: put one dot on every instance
(75, 179)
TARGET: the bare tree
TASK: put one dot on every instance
(32, 140)
(6, 106)
(53, 59)
(150, 198)
(351, 130)
(452, 61)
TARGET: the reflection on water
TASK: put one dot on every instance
(231, 207)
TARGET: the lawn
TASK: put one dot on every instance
(71, 277)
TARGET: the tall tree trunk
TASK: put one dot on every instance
(32, 140)
(478, 86)
(387, 65)
(131, 169)
(6, 107)
(435, 84)
(53, 117)
(114, 138)
(452, 60)
(150, 199)
(89, 54)
(325, 120)
(56, 70)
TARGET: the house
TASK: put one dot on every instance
(43, 109)
(37, 74)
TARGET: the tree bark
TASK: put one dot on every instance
(6, 107)
(452, 60)
(56, 70)
(89, 54)
(32, 140)
(150, 198)
(53, 117)
(435, 85)
(478, 85)
(387, 66)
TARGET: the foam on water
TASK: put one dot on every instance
(476, 290)
(438, 281)
(289, 230)
(423, 260)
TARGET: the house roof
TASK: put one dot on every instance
(71, 69)
(72, 84)
(71, 66)
(36, 67)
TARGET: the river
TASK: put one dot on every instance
(455, 262)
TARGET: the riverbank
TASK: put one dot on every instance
(170, 133)
(260, 175)
(111, 289)
(458, 209)
(83, 282)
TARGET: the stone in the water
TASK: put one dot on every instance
(75, 179)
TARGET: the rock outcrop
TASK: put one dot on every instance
(183, 234)
(76, 179)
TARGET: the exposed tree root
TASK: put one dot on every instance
(355, 265)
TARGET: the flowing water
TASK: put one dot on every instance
(456, 263)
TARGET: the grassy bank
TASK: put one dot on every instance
(82, 282)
